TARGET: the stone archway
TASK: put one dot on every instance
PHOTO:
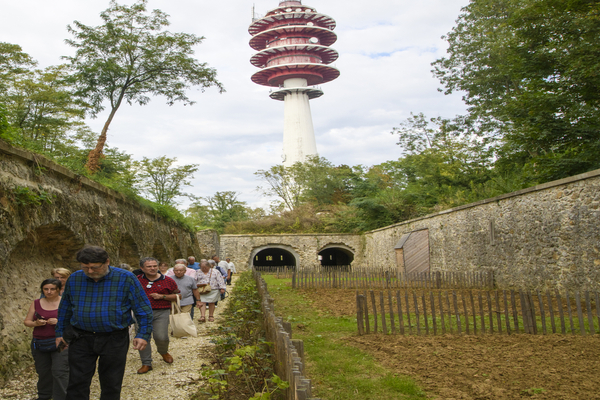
(129, 252)
(273, 256)
(336, 255)
(160, 253)
(25, 268)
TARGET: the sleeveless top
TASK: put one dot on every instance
(45, 331)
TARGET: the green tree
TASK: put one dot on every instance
(529, 73)
(218, 210)
(130, 57)
(160, 179)
(283, 183)
(13, 62)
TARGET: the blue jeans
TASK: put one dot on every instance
(111, 353)
(160, 333)
(53, 373)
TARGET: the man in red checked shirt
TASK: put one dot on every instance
(161, 291)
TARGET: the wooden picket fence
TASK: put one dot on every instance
(365, 278)
(475, 312)
(288, 353)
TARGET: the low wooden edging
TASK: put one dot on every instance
(289, 353)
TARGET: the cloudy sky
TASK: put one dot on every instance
(385, 46)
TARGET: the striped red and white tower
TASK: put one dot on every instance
(293, 42)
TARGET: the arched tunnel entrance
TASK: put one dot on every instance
(338, 258)
(271, 258)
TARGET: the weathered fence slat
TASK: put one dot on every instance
(481, 313)
(408, 311)
(425, 313)
(392, 323)
(542, 312)
(568, 301)
(474, 311)
(374, 311)
(359, 314)
(418, 316)
(579, 313)
(383, 322)
(498, 313)
(589, 313)
(366, 307)
(449, 311)
(456, 312)
(489, 302)
(513, 302)
(464, 303)
(551, 311)
(400, 317)
(506, 313)
(432, 301)
(442, 313)
(563, 328)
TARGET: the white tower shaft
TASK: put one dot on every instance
(298, 132)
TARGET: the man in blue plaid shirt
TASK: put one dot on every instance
(97, 304)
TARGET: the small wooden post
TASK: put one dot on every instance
(531, 305)
(525, 312)
(374, 311)
(464, 303)
(294, 280)
(442, 313)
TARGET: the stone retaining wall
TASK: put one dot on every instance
(547, 236)
(47, 213)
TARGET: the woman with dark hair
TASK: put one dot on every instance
(51, 363)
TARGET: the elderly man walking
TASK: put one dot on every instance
(97, 306)
(161, 291)
(187, 288)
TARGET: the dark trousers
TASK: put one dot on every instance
(111, 353)
(53, 373)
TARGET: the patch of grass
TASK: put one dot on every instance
(338, 371)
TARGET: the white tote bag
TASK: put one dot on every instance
(181, 322)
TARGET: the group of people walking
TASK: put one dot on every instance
(82, 319)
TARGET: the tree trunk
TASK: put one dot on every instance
(93, 162)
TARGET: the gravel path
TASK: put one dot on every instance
(179, 380)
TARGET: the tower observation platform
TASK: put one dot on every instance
(292, 43)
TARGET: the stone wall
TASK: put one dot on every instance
(543, 237)
(47, 213)
(305, 248)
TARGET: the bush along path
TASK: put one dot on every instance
(242, 364)
(178, 381)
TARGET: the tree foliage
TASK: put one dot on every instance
(163, 181)
(129, 58)
(529, 71)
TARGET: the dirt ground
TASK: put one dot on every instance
(482, 367)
